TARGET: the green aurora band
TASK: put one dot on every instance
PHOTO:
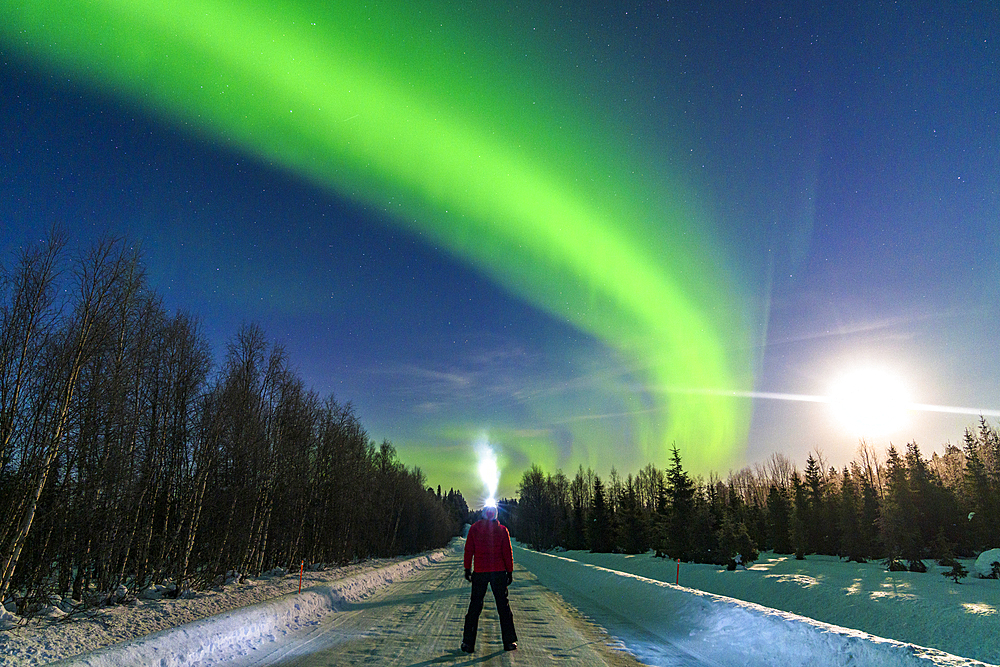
(407, 108)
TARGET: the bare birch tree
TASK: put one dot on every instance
(97, 275)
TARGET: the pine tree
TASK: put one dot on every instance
(680, 498)
(734, 540)
(851, 540)
(919, 484)
(704, 524)
(800, 512)
(600, 534)
(976, 493)
(745, 545)
(580, 493)
(813, 508)
(779, 520)
(830, 512)
(899, 530)
(869, 513)
(634, 537)
(989, 440)
(661, 516)
(727, 544)
(957, 571)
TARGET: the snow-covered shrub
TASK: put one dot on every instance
(121, 595)
(984, 564)
(8, 619)
(154, 592)
(69, 605)
(895, 565)
(230, 577)
(274, 573)
(66, 605)
(50, 611)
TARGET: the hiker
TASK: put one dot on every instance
(488, 547)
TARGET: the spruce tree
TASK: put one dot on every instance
(899, 531)
(634, 538)
(956, 572)
(868, 522)
(851, 546)
(813, 508)
(800, 513)
(727, 544)
(734, 540)
(600, 534)
(703, 528)
(680, 497)
(580, 493)
(976, 494)
(829, 515)
(661, 517)
(779, 520)
(920, 484)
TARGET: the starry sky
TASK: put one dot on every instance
(577, 233)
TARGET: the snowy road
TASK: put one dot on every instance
(418, 621)
(411, 613)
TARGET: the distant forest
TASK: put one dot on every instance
(901, 508)
(129, 457)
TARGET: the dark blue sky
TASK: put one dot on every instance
(845, 160)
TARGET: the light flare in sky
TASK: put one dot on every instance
(835, 397)
(489, 471)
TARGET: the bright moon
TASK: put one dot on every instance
(870, 401)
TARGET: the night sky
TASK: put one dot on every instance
(578, 233)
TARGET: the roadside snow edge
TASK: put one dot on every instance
(654, 619)
(218, 638)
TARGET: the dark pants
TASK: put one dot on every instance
(498, 582)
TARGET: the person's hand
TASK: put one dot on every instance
(510, 578)
(468, 574)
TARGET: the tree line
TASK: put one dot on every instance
(902, 507)
(128, 456)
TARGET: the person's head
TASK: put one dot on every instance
(490, 512)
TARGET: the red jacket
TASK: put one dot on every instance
(488, 542)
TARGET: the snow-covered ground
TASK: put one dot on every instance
(766, 615)
(926, 609)
(220, 612)
(660, 623)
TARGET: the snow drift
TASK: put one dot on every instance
(216, 639)
(984, 564)
(665, 624)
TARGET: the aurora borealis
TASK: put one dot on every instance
(653, 206)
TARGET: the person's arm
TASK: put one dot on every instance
(508, 557)
(470, 549)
